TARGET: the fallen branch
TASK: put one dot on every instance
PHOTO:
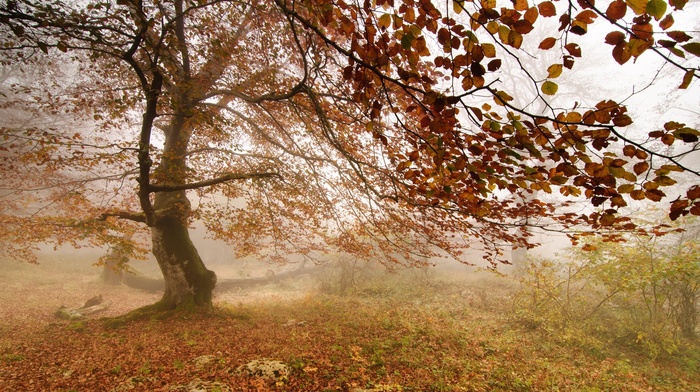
(93, 305)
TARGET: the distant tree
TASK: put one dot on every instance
(295, 125)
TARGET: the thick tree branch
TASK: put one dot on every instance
(124, 215)
(213, 181)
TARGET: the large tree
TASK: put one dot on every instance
(301, 125)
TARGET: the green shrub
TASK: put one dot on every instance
(643, 291)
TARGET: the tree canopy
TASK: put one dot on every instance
(381, 128)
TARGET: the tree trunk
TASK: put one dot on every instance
(188, 283)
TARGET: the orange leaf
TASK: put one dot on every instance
(548, 43)
(520, 5)
(687, 78)
(621, 53)
(615, 38)
(679, 36)
(547, 9)
(640, 168)
(586, 16)
(616, 10)
(531, 15)
(629, 151)
(667, 22)
(643, 31)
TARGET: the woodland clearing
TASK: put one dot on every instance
(400, 332)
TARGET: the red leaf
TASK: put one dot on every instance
(694, 192)
(695, 210)
(494, 65)
(568, 62)
(573, 49)
(522, 26)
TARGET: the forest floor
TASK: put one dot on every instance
(412, 332)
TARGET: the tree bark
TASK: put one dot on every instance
(188, 283)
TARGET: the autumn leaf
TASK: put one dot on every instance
(693, 193)
(616, 10)
(640, 168)
(693, 47)
(531, 15)
(549, 88)
(687, 78)
(667, 22)
(622, 121)
(607, 219)
(384, 21)
(548, 43)
(554, 70)
(638, 6)
(489, 50)
(615, 38)
(678, 4)
(547, 9)
(573, 48)
(656, 8)
(523, 26)
(621, 53)
(586, 16)
(679, 36)
(625, 188)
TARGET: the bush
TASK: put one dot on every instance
(644, 290)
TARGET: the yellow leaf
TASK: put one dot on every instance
(503, 33)
(625, 188)
(554, 70)
(549, 88)
(638, 6)
(489, 50)
(384, 21)
(501, 98)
